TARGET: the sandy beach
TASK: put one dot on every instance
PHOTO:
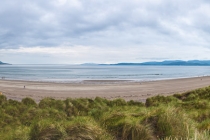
(128, 90)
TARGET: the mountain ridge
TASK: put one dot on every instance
(169, 63)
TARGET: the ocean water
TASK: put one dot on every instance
(77, 73)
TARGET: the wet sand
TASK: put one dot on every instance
(110, 89)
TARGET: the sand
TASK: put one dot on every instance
(110, 89)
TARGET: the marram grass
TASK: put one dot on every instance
(179, 117)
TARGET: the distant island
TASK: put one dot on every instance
(1, 63)
(168, 63)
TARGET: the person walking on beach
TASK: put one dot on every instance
(24, 86)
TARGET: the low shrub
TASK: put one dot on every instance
(17, 133)
(172, 122)
(85, 128)
(47, 130)
(126, 127)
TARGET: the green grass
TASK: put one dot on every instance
(178, 117)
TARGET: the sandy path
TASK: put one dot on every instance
(108, 89)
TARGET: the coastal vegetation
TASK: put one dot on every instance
(179, 117)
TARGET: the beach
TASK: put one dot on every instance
(109, 89)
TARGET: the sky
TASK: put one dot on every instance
(103, 31)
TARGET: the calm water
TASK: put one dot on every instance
(74, 73)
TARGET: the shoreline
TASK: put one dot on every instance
(109, 89)
(98, 81)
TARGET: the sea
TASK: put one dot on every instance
(78, 73)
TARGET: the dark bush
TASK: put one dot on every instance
(29, 102)
(118, 102)
(136, 103)
(52, 103)
(46, 130)
(158, 100)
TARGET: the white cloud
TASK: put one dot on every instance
(85, 54)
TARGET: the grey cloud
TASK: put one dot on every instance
(102, 23)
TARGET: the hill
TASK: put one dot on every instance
(1, 63)
(171, 63)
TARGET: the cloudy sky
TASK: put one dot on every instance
(103, 31)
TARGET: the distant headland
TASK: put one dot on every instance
(1, 63)
(167, 63)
